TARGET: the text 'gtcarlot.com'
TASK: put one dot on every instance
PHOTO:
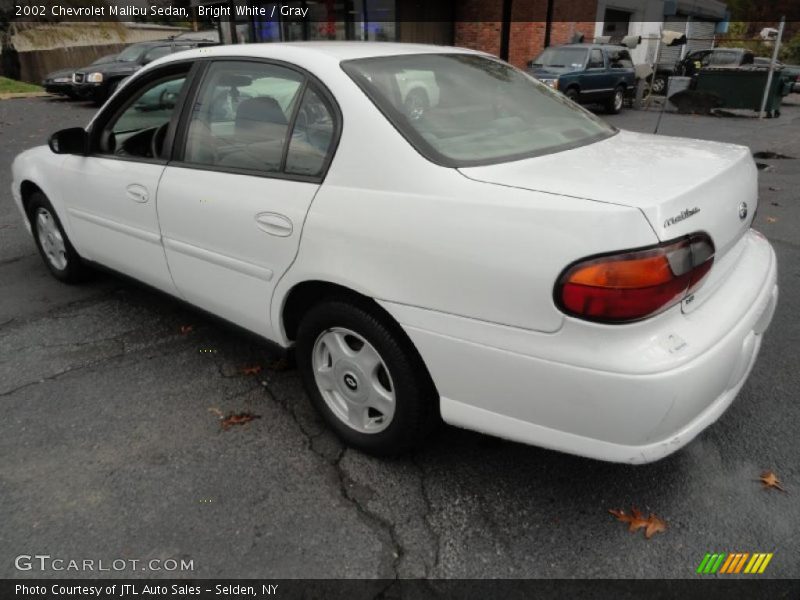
(45, 562)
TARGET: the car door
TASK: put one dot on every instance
(253, 151)
(593, 81)
(110, 193)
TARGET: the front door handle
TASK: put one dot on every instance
(137, 193)
(274, 224)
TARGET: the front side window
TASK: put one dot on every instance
(139, 130)
(242, 116)
(130, 54)
(722, 58)
(620, 59)
(155, 53)
(478, 110)
(596, 60)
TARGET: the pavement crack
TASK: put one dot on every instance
(67, 371)
(9, 261)
(424, 492)
(349, 490)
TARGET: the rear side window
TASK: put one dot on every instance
(312, 136)
(242, 115)
(260, 117)
(620, 59)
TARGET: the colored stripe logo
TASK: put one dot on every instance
(734, 563)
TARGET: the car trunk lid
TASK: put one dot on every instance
(681, 185)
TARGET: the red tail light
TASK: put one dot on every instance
(629, 286)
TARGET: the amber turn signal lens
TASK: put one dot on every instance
(629, 286)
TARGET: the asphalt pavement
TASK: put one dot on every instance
(112, 445)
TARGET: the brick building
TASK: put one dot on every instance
(518, 30)
(515, 30)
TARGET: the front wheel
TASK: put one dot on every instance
(52, 242)
(572, 94)
(365, 378)
(614, 104)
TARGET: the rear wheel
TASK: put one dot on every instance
(365, 378)
(52, 242)
(659, 86)
(614, 104)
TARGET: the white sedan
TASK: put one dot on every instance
(496, 257)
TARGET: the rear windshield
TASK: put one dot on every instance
(463, 110)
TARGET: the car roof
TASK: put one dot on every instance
(588, 45)
(169, 41)
(301, 51)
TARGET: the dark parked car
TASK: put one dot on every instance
(98, 82)
(789, 72)
(716, 57)
(587, 73)
(60, 82)
(699, 59)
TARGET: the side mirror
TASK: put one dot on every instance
(74, 140)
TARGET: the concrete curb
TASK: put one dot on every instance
(13, 96)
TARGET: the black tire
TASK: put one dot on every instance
(572, 93)
(659, 86)
(416, 411)
(617, 101)
(74, 269)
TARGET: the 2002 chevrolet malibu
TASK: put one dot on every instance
(434, 232)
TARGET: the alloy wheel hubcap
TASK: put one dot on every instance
(353, 380)
(618, 100)
(51, 240)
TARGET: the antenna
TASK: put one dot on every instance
(667, 38)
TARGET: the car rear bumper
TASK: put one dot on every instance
(633, 393)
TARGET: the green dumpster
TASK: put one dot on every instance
(743, 87)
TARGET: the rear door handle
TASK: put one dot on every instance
(137, 193)
(274, 224)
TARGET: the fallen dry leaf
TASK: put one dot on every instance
(240, 419)
(254, 370)
(654, 525)
(636, 521)
(186, 329)
(217, 412)
(771, 219)
(770, 480)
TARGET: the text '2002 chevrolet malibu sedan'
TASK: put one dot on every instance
(435, 233)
